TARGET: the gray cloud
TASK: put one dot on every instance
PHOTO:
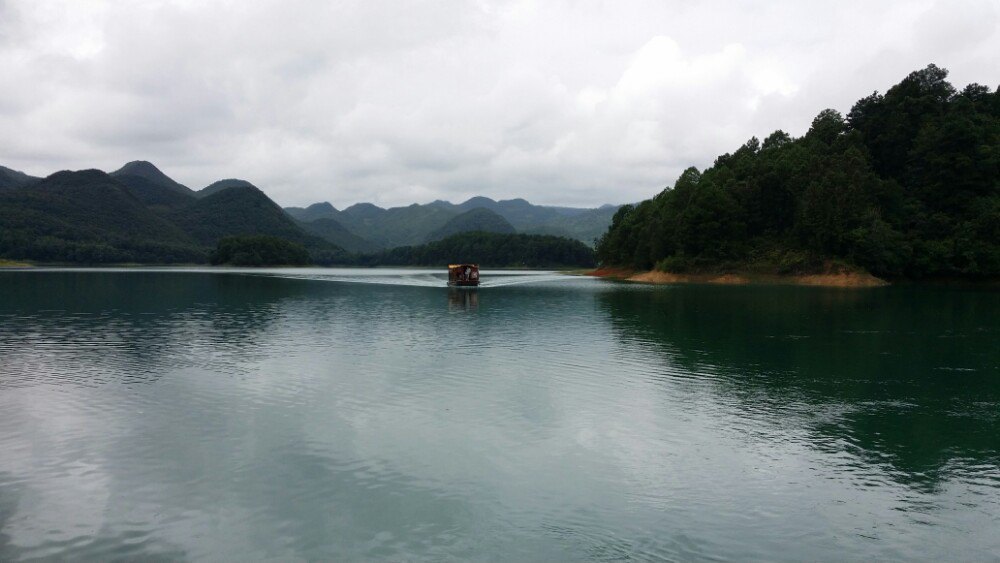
(396, 102)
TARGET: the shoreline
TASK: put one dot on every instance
(653, 277)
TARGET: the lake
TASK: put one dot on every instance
(376, 414)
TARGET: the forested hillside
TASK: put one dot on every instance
(10, 179)
(94, 218)
(155, 195)
(259, 250)
(243, 210)
(90, 217)
(476, 219)
(907, 185)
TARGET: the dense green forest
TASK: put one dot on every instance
(142, 217)
(259, 250)
(488, 249)
(88, 217)
(240, 210)
(10, 179)
(907, 185)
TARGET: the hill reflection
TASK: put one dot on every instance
(902, 376)
(131, 327)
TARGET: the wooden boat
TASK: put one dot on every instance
(463, 275)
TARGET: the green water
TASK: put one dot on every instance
(338, 414)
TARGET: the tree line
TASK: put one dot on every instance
(907, 185)
(489, 249)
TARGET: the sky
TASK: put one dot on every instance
(563, 103)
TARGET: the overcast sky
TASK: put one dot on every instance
(576, 103)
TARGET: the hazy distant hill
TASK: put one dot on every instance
(586, 226)
(372, 227)
(152, 173)
(413, 224)
(332, 231)
(10, 179)
(216, 187)
(87, 216)
(397, 226)
(315, 211)
(476, 219)
(365, 211)
(519, 212)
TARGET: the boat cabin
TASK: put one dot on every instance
(463, 274)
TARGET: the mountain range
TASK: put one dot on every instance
(416, 223)
(139, 214)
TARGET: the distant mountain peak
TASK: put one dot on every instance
(230, 182)
(138, 168)
(363, 205)
(220, 185)
(364, 209)
(323, 206)
(147, 170)
(477, 200)
(241, 190)
(321, 210)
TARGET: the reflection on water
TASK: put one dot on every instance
(291, 414)
(463, 299)
(904, 377)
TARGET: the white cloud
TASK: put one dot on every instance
(558, 102)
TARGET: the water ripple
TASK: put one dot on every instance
(374, 414)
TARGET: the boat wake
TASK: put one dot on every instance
(504, 281)
(426, 279)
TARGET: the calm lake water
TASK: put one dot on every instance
(375, 414)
